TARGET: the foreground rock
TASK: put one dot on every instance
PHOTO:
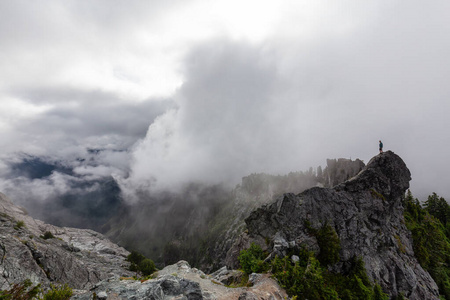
(180, 281)
(367, 214)
(92, 265)
(78, 257)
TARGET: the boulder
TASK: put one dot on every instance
(180, 281)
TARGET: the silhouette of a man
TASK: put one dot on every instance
(381, 147)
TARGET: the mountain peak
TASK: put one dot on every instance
(366, 212)
(386, 173)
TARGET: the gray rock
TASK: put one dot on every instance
(280, 244)
(179, 281)
(260, 189)
(228, 277)
(248, 296)
(220, 272)
(74, 256)
(254, 278)
(367, 214)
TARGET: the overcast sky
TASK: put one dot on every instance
(216, 90)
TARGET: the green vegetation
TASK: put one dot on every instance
(429, 226)
(19, 224)
(328, 242)
(242, 282)
(377, 195)
(62, 292)
(139, 263)
(400, 245)
(47, 235)
(309, 277)
(135, 257)
(147, 267)
(329, 245)
(304, 278)
(439, 208)
(252, 260)
(25, 291)
(21, 291)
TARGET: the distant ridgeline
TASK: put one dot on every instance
(339, 170)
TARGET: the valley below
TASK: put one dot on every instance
(208, 242)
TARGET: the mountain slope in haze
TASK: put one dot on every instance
(63, 193)
(200, 223)
(95, 268)
(365, 212)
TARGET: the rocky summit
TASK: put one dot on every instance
(365, 211)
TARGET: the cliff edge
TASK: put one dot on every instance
(366, 212)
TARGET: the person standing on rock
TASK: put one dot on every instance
(381, 147)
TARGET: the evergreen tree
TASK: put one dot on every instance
(431, 241)
(438, 207)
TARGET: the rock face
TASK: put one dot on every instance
(260, 189)
(78, 257)
(367, 214)
(201, 223)
(180, 281)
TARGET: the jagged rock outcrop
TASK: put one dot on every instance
(258, 189)
(180, 281)
(367, 214)
(78, 257)
(201, 223)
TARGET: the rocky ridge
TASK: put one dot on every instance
(78, 257)
(256, 190)
(180, 281)
(95, 267)
(366, 212)
(201, 223)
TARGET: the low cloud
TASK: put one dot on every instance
(280, 106)
(79, 193)
(322, 80)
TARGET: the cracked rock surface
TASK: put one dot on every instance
(366, 212)
(180, 281)
(78, 257)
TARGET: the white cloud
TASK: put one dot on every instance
(285, 104)
(258, 85)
